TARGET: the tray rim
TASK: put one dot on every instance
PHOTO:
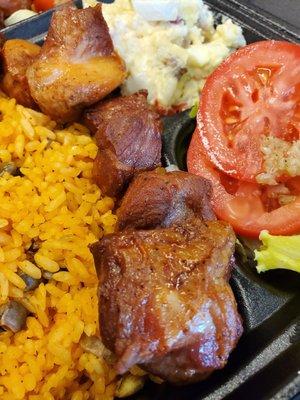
(252, 22)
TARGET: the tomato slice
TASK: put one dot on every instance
(43, 5)
(254, 93)
(247, 206)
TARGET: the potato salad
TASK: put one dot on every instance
(170, 47)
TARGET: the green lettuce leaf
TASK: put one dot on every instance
(278, 252)
(194, 110)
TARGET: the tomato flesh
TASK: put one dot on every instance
(245, 204)
(43, 5)
(254, 93)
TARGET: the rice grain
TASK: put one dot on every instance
(55, 205)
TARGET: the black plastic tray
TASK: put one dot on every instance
(266, 363)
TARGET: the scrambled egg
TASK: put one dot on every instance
(169, 46)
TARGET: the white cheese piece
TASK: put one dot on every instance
(18, 16)
(157, 10)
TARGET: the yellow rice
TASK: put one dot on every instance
(55, 202)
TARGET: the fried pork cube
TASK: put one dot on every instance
(8, 7)
(128, 134)
(160, 198)
(17, 56)
(2, 37)
(77, 65)
(1, 21)
(165, 301)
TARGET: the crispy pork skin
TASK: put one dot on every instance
(128, 134)
(17, 56)
(165, 301)
(77, 65)
(160, 198)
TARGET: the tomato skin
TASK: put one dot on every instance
(235, 148)
(43, 5)
(243, 210)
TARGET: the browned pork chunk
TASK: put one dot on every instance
(128, 134)
(17, 56)
(165, 301)
(8, 7)
(160, 198)
(77, 65)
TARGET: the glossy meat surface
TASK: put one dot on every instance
(17, 56)
(77, 65)
(160, 198)
(8, 7)
(128, 134)
(165, 301)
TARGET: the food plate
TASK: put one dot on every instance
(266, 362)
